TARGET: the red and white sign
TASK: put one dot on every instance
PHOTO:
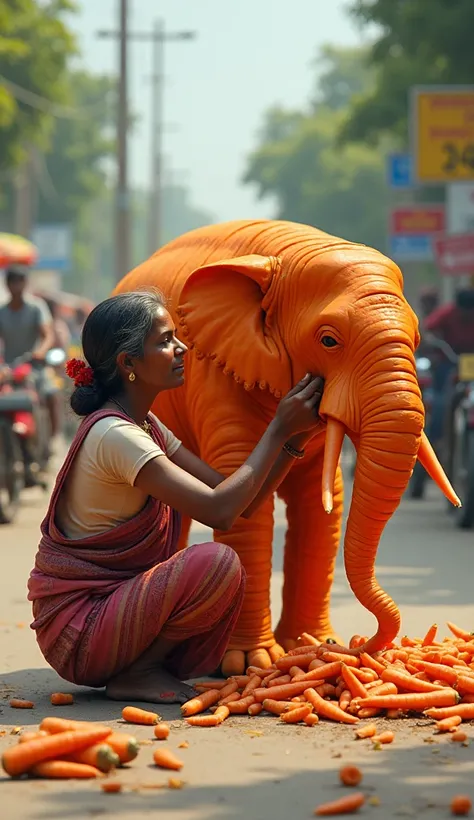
(455, 254)
(418, 220)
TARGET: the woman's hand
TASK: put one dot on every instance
(298, 410)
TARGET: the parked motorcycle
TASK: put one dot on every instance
(417, 484)
(460, 440)
(24, 431)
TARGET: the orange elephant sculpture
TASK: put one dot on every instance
(260, 303)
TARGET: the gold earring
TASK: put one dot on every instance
(132, 377)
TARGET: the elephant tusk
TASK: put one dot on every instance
(335, 433)
(429, 460)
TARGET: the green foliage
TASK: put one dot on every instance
(314, 181)
(73, 169)
(35, 45)
(418, 42)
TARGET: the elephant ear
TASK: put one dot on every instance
(226, 313)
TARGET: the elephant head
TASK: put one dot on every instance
(338, 312)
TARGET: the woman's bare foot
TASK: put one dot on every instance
(154, 685)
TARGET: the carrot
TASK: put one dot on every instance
(438, 670)
(53, 725)
(165, 759)
(277, 707)
(305, 649)
(406, 641)
(371, 663)
(368, 713)
(213, 684)
(255, 709)
(353, 684)
(285, 663)
(61, 699)
(284, 692)
(161, 731)
(393, 714)
(408, 682)
(295, 715)
(345, 699)
(458, 632)
(384, 737)
(332, 657)
(132, 714)
(18, 703)
(316, 664)
(64, 769)
(365, 675)
(326, 709)
(350, 775)
(464, 710)
(366, 731)
(459, 737)
(125, 746)
(221, 713)
(417, 702)
(22, 757)
(344, 805)
(101, 756)
(310, 639)
(202, 720)
(461, 805)
(449, 724)
(326, 671)
(326, 690)
(229, 689)
(224, 701)
(240, 707)
(280, 681)
(200, 703)
(262, 673)
(241, 680)
(354, 642)
(27, 736)
(111, 786)
(465, 684)
(296, 670)
(383, 689)
(311, 719)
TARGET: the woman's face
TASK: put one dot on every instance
(162, 365)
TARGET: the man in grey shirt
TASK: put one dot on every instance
(26, 327)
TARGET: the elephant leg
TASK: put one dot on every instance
(252, 642)
(311, 545)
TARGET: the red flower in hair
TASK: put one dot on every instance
(78, 370)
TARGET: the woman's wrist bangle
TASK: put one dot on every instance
(292, 451)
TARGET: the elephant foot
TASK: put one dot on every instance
(236, 661)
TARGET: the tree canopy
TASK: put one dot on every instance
(35, 45)
(418, 42)
(339, 189)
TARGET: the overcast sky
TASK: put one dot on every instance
(247, 55)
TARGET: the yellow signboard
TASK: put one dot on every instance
(442, 133)
(466, 367)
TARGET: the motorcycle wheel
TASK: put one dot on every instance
(465, 515)
(11, 474)
(416, 486)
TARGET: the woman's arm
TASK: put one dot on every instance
(220, 506)
(193, 465)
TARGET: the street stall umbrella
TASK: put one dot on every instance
(16, 250)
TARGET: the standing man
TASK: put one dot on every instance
(26, 327)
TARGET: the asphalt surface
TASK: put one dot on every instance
(254, 767)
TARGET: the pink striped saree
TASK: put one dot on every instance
(99, 602)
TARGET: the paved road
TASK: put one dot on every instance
(426, 566)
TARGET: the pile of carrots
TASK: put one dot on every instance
(312, 681)
(79, 749)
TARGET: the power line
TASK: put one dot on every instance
(47, 106)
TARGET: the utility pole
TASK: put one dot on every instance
(122, 220)
(158, 36)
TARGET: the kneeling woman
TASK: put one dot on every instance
(115, 603)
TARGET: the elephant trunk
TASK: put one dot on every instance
(391, 432)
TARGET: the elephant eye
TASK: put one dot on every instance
(328, 341)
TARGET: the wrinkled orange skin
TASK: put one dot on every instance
(254, 326)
